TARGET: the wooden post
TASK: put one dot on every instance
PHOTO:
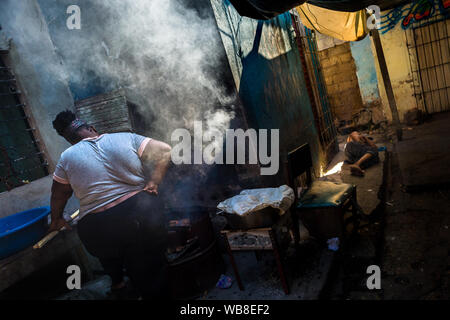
(387, 82)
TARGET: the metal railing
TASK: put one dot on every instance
(21, 160)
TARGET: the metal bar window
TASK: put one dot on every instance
(21, 160)
(324, 120)
(429, 44)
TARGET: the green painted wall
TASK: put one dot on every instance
(268, 74)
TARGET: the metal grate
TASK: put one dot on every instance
(429, 53)
(316, 88)
(21, 160)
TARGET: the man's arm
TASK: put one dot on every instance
(61, 193)
(368, 141)
(156, 156)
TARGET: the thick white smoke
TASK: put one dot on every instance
(162, 54)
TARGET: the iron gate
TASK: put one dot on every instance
(21, 160)
(315, 83)
(429, 48)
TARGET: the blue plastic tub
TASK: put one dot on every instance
(21, 230)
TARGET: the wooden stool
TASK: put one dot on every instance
(253, 240)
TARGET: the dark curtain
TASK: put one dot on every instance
(267, 9)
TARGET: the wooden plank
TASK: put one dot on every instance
(387, 82)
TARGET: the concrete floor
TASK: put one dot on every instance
(416, 256)
(408, 235)
(306, 275)
(423, 156)
(347, 279)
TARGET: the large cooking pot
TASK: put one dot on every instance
(191, 275)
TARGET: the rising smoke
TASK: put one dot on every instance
(164, 54)
(161, 52)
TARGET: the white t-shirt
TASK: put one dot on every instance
(101, 170)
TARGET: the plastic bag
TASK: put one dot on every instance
(251, 200)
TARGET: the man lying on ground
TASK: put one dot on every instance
(360, 152)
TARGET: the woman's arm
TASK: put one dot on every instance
(61, 193)
(156, 156)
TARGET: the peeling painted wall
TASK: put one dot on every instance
(399, 67)
(45, 89)
(32, 52)
(267, 71)
(365, 71)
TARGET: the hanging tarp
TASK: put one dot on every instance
(354, 5)
(347, 26)
(267, 9)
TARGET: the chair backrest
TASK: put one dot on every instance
(299, 161)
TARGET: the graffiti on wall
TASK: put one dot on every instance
(416, 11)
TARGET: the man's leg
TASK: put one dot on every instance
(356, 167)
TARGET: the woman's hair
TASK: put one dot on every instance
(63, 120)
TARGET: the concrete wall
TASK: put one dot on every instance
(45, 90)
(365, 71)
(32, 195)
(367, 77)
(339, 71)
(398, 63)
(267, 71)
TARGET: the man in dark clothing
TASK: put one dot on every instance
(360, 153)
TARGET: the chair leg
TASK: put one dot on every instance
(296, 230)
(233, 264)
(355, 213)
(279, 263)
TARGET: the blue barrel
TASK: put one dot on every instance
(21, 230)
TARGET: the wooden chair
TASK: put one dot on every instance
(322, 204)
(260, 239)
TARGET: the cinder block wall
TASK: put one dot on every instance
(339, 71)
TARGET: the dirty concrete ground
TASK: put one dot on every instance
(423, 156)
(348, 276)
(408, 234)
(260, 278)
(416, 255)
(306, 275)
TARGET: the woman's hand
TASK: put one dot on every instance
(151, 188)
